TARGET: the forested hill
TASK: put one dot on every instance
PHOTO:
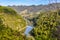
(11, 19)
(11, 24)
(35, 8)
(47, 26)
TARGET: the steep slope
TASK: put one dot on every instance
(11, 18)
(47, 26)
(6, 33)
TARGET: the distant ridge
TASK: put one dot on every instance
(36, 8)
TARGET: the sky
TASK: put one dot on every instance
(25, 2)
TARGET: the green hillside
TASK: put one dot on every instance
(47, 26)
(11, 24)
(6, 33)
(11, 18)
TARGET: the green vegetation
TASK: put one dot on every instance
(10, 24)
(7, 10)
(11, 18)
(7, 33)
(47, 26)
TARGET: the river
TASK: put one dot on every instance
(28, 29)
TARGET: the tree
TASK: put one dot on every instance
(46, 27)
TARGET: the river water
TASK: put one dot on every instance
(28, 29)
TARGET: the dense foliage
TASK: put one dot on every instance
(11, 24)
(7, 10)
(7, 33)
(11, 18)
(47, 26)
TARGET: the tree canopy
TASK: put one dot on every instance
(47, 26)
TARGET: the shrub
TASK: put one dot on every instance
(46, 27)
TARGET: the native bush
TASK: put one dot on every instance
(46, 27)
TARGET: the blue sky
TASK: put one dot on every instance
(24, 2)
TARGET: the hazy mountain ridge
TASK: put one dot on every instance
(34, 8)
